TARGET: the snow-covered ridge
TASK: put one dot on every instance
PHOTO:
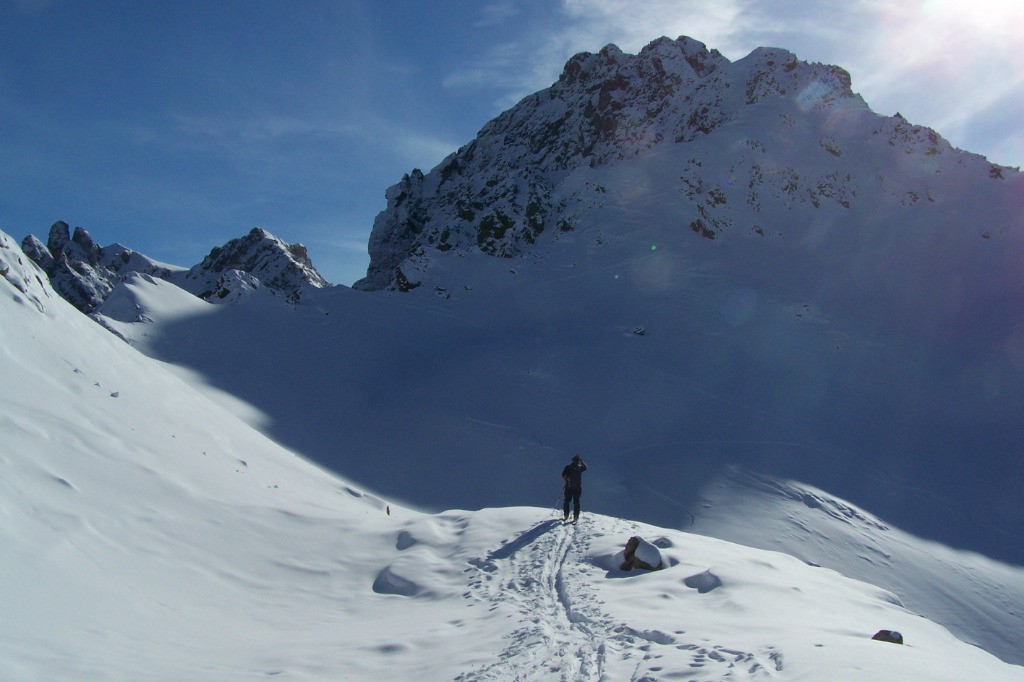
(80, 270)
(85, 274)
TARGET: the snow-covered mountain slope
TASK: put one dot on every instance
(852, 325)
(149, 534)
(817, 292)
(699, 264)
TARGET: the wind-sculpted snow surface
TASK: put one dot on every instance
(977, 599)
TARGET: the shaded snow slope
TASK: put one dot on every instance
(661, 364)
(447, 404)
(816, 290)
(676, 262)
(149, 534)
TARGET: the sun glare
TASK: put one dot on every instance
(992, 17)
(980, 26)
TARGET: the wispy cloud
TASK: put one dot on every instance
(251, 137)
(420, 149)
(533, 58)
(498, 12)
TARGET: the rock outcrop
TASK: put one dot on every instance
(256, 260)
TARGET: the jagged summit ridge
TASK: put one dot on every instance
(81, 271)
(523, 176)
(85, 274)
(257, 259)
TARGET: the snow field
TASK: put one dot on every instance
(148, 533)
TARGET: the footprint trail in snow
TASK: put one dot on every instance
(544, 581)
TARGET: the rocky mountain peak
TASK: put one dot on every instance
(249, 262)
(497, 194)
(72, 261)
(58, 237)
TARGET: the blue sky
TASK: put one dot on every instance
(172, 127)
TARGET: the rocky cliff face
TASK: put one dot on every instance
(85, 274)
(747, 139)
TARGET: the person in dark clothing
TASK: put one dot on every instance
(572, 474)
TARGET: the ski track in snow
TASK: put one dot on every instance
(564, 634)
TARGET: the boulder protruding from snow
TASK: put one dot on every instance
(888, 636)
(640, 553)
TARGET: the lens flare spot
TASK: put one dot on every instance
(812, 96)
(740, 307)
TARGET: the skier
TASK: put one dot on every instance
(572, 474)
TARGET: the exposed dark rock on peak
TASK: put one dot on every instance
(256, 260)
(73, 264)
(85, 274)
(497, 194)
(38, 252)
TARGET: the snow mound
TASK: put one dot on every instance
(703, 582)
